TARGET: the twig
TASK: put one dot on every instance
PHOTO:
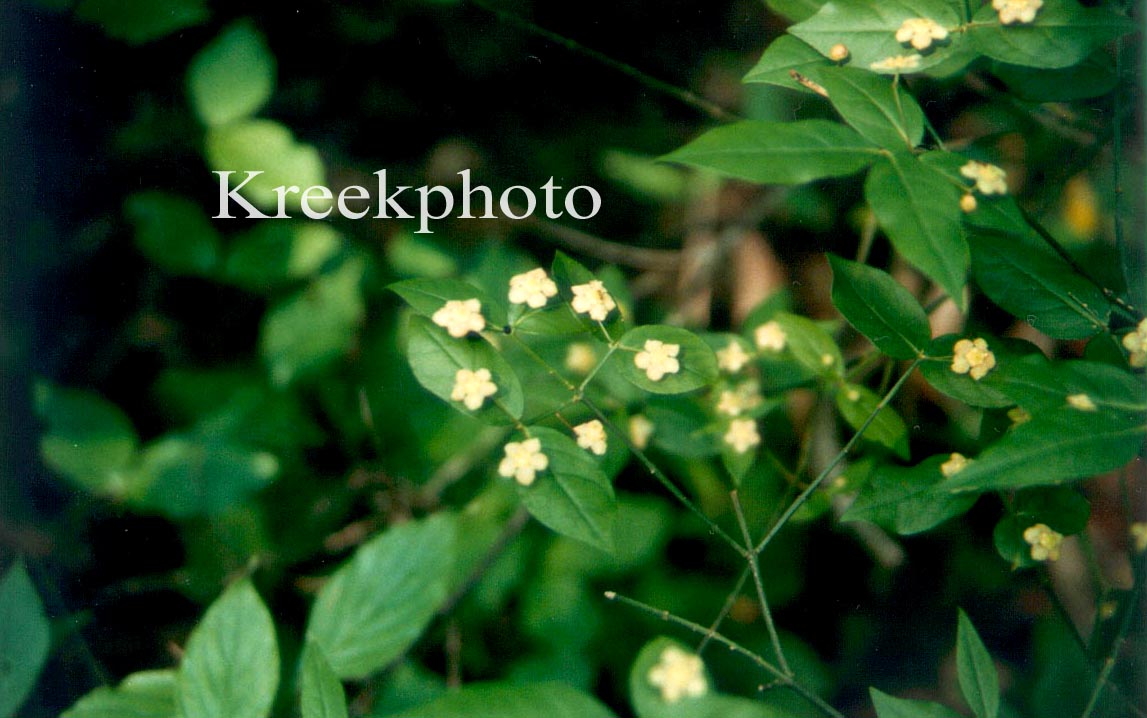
(755, 568)
(660, 260)
(730, 601)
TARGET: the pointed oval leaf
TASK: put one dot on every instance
(24, 638)
(173, 232)
(322, 692)
(976, 671)
(856, 403)
(697, 364)
(879, 109)
(233, 76)
(148, 694)
(572, 496)
(782, 56)
(427, 296)
(140, 21)
(88, 439)
(892, 707)
(231, 663)
(880, 309)
(378, 603)
(268, 147)
(908, 500)
(779, 152)
(1063, 34)
(812, 346)
(517, 700)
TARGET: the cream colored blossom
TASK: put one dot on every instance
(1136, 344)
(1013, 11)
(770, 337)
(1082, 402)
(968, 203)
(742, 435)
(1045, 542)
(472, 387)
(640, 430)
(523, 461)
(532, 288)
(580, 358)
(972, 356)
(735, 402)
(1139, 536)
(989, 178)
(954, 465)
(591, 436)
(896, 64)
(658, 359)
(459, 317)
(592, 298)
(732, 358)
(678, 674)
(921, 32)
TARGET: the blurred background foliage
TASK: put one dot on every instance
(219, 397)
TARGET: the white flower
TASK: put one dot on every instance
(460, 317)
(954, 465)
(580, 358)
(1136, 344)
(1044, 541)
(532, 288)
(989, 178)
(593, 299)
(920, 32)
(1139, 536)
(640, 429)
(973, 357)
(658, 359)
(896, 63)
(770, 336)
(472, 387)
(732, 358)
(591, 436)
(1012, 11)
(745, 397)
(742, 435)
(1082, 402)
(678, 674)
(524, 459)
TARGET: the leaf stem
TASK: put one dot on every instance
(755, 568)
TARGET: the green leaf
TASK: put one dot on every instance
(856, 403)
(976, 671)
(880, 110)
(568, 273)
(24, 638)
(812, 346)
(697, 364)
(435, 358)
(427, 296)
(1055, 448)
(891, 707)
(1094, 77)
(986, 392)
(231, 663)
(148, 694)
(908, 500)
(868, 29)
(779, 152)
(1060, 507)
(185, 475)
(1019, 272)
(919, 209)
(506, 700)
(680, 428)
(233, 76)
(322, 693)
(268, 147)
(782, 55)
(274, 254)
(1040, 386)
(88, 439)
(378, 604)
(1063, 34)
(795, 10)
(880, 309)
(140, 21)
(572, 496)
(173, 232)
(307, 331)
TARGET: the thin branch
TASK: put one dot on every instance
(755, 568)
(730, 601)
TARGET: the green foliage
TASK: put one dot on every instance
(909, 500)
(976, 672)
(698, 365)
(264, 146)
(232, 77)
(140, 21)
(891, 707)
(1063, 34)
(375, 606)
(880, 309)
(173, 232)
(322, 693)
(148, 694)
(873, 105)
(24, 638)
(500, 700)
(231, 663)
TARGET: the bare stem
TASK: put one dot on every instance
(755, 568)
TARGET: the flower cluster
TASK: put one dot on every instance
(532, 288)
(770, 337)
(954, 465)
(472, 387)
(678, 674)
(591, 437)
(972, 357)
(921, 32)
(732, 358)
(1016, 11)
(989, 178)
(1045, 542)
(592, 298)
(1136, 345)
(658, 359)
(523, 461)
(745, 397)
(459, 317)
